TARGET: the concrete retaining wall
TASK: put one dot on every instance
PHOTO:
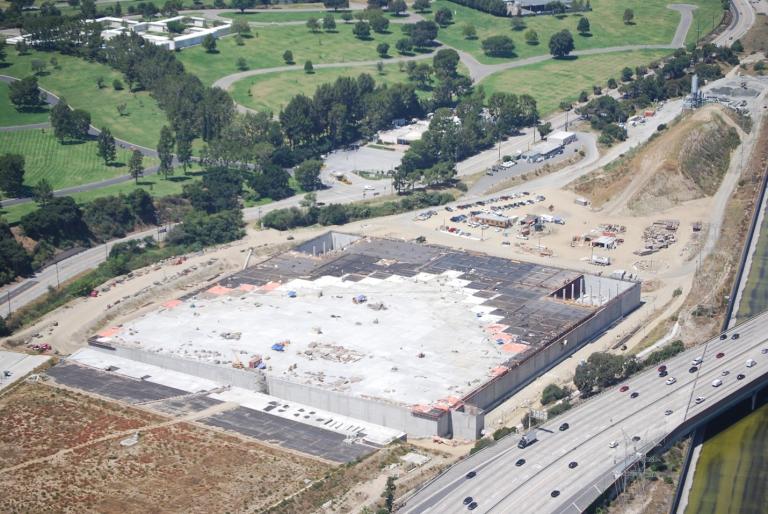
(251, 379)
(392, 416)
(499, 389)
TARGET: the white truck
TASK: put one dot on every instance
(528, 439)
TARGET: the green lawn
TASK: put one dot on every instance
(10, 116)
(76, 81)
(62, 165)
(553, 81)
(272, 91)
(265, 50)
(654, 24)
(277, 16)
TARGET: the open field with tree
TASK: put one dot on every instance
(62, 165)
(266, 47)
(565, 79)
(76, 80)
(9, 116)
(278, 16)
(654, 24)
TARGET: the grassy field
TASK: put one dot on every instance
(154, 185)
(265, 50)
(732, 469)
(75, 80)
(62, 165)
(272, 91)
(10, 116)
(654, 24)
(277, 16)
(565, 79)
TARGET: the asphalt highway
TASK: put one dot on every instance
(636, 424)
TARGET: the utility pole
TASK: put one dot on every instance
(58, 283)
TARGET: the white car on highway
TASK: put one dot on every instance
(613, 444)
(697, 361)
(368, 187)
(750, 363)
(717, 382)
(670, 381)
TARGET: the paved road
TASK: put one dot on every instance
(742, 20)
(502, 487)
(52, 99)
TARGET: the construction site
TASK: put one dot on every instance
(414, 339)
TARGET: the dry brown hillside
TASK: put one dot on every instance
(686, 162)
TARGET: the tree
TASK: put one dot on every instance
(445, 62)
(136, 165)
(404, 45)
(382, 49)
(397, 6)
(347, 17)
(42, 192)
(565, 105)
(612, 84)
(307, 174)
(531, 37)
(583, 26)
(12, 174)
(209, 43)
(243, 5)
(444, 17)
(498, 46)
(241, 27)
(313, 25)
(626, 74)
(422, 33)
(380, 67)
(421, 5)
(308, 68)
(100, 82)
(122, 109)
(362, 30)
(183, 152)
(117, 85)
(79, 124)
(378, 23)
(583, 97)
(288, 57)
(389, 494)
(469, 31)
(107, 149)
(165, 151)
(241, 64)
(336, 4)
(38, 66)
(25, 94)
(329, 23)
(60, 120)
(561, 44)
(88, 9)
(737, 46)
(629, 17)
(553, 393)
(518, 24)
(544, 129)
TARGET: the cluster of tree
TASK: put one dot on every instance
(495, 7)
(553, 393)
(342, 112)
(499, 46)
(68, 123)
(12, 174)
(455, 134)
(25, 94)
(14, 260)
(602, 370)
(421, 34)
(604, 114)
(337, 214)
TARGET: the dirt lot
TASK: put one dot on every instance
(66, 461)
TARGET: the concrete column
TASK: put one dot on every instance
(754, 400)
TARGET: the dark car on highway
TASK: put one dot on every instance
(555, 493)
(472, 506)
(634, 395)
(693, 369)
(740, 376)
(573, 464)
(564, 427)
(471, 474)
(624, 389)
(735, 336)
(720, 355)
(468, 500)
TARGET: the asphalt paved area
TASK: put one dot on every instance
(288, 434)
(110, 385)
(184, 405)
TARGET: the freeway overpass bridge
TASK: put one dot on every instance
(565, 471)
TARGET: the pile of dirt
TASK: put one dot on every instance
(687, 162)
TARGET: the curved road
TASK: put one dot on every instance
(26, 291)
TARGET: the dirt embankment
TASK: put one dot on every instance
(687, 163)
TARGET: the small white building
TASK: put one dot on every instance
(404, 134)
(562, 137)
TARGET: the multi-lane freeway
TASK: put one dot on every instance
(547, 481)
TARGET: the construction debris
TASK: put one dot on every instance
(661, 234)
